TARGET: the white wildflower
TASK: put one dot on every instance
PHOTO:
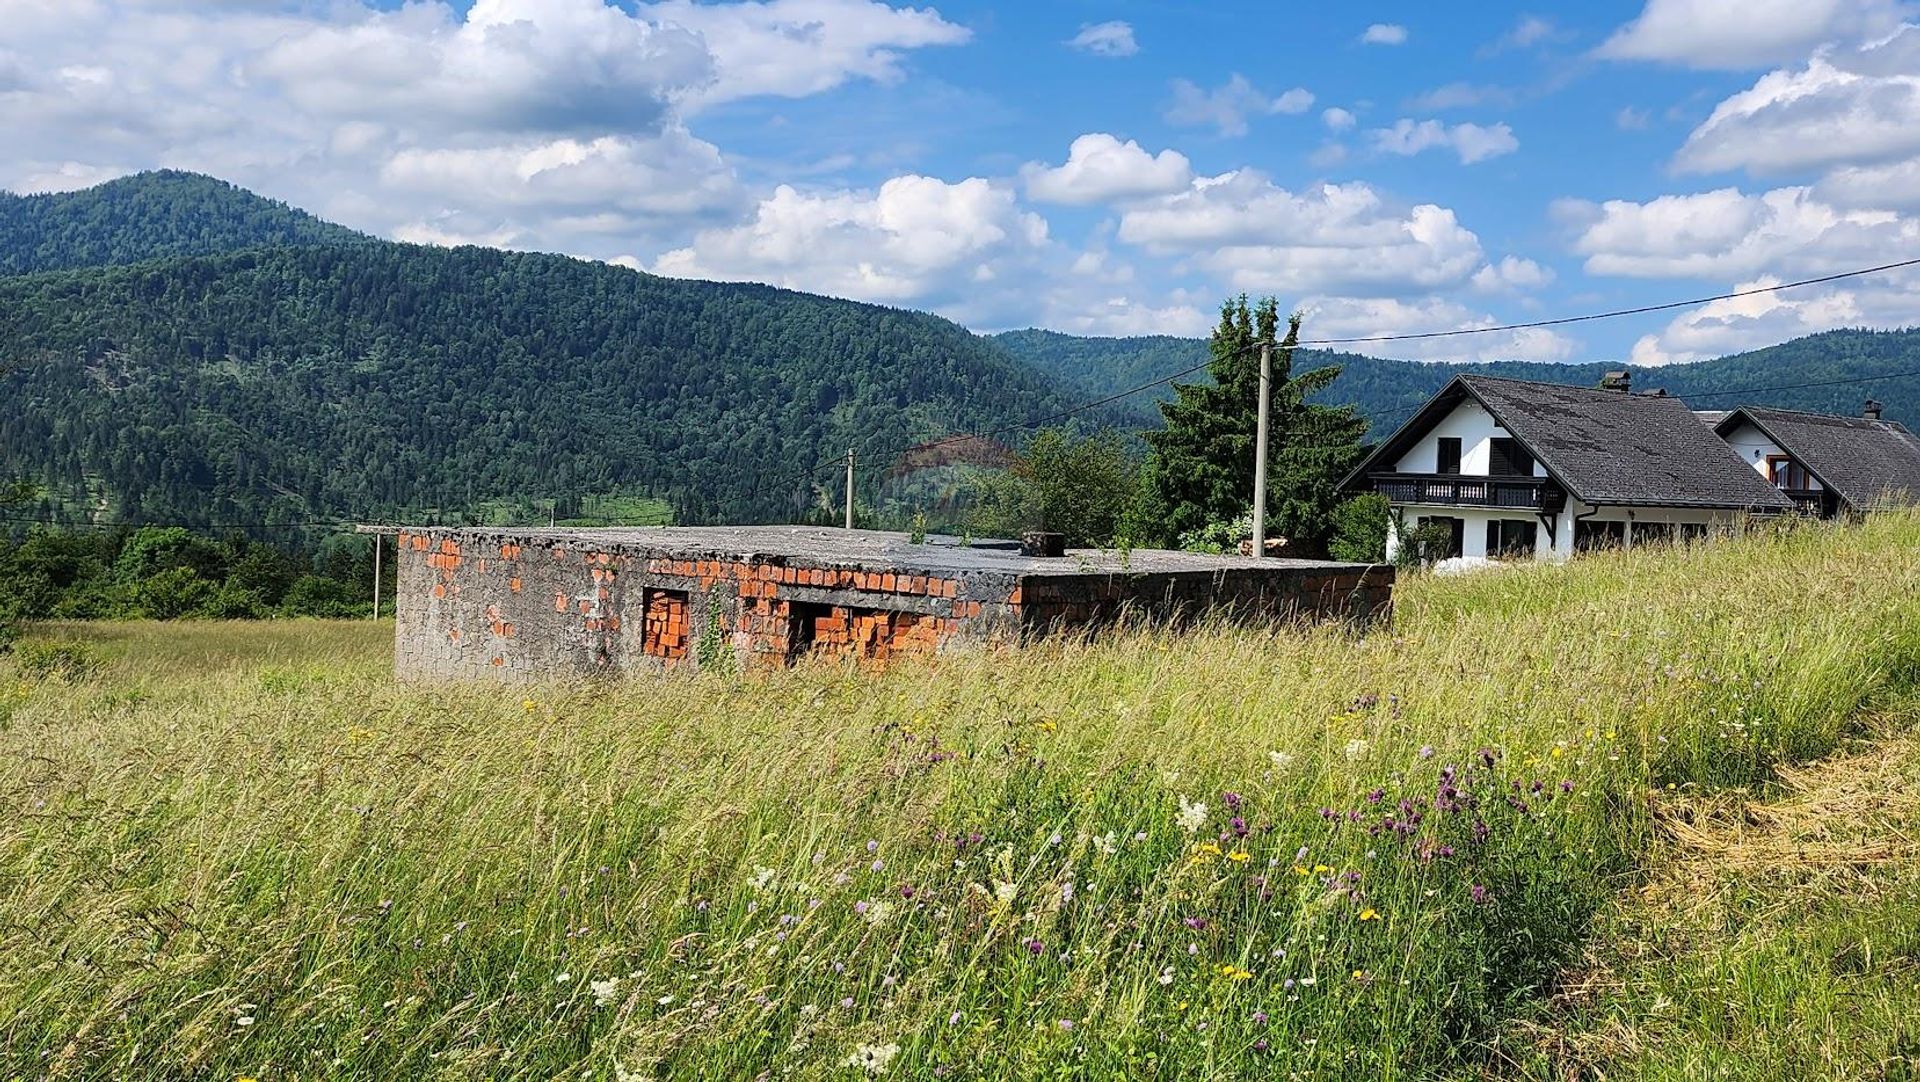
(1280, 759)
(762, 878)
(1356, 748)
(605, 992)
(878, 912)
(562, 978)
(1004, 890)
(1108, 843)
(873, 1058)
(1192, 816)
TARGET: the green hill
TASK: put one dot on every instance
(148, 216)
(1822, 372)
(283, 384)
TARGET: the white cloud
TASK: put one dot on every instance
(1101, 169)
(1384, 34)
(953, 247)
(1726, 234)
(1747, 33)
(1743, 323)
(1338, 119)
(794, 48)
(1844, 107)
(1531, 30)
(1334, 238)
(1227, 107)
(1461, 96)
(1472, 142)
(1348, 317)
(1631, 119)
(553, 124)
(1113, 38)
(1512, 274)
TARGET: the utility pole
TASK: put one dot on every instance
(377, 546)
(1260, 453)
(849, 488)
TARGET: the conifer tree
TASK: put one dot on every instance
(1200, 466)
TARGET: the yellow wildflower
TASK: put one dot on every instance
(1321, 869)
(1301, 869)
(1047, 725)
(1239, 856)
(1369, 913)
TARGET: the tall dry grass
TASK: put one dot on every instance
(243, 850)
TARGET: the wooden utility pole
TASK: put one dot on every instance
(1260, 453)
(849, 488)
(378, 545)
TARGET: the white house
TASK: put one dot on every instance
(1523, 470)
(1828, 464)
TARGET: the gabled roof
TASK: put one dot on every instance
(1606, 448)
(1867, 462)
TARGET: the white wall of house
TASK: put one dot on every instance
(1560, 546)
(1753, 447)
(1475, 428)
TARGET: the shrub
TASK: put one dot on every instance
(47, 659)
(1423, 545)
(173, 593)
(1360, 529)
(312, 595)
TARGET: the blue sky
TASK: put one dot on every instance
(1095, 168)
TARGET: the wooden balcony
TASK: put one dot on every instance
(1537, 494)
(1813, 501)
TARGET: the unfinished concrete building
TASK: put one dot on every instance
(531, 603)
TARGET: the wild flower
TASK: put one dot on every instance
(1369, 913)
(1108, 843)
(1477, 892)
(762, 878)
(1280, 760)
(873, 1058)
(605, 991)
(1356, 749)
(1192, 816)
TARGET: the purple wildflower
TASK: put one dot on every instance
(1477, 892)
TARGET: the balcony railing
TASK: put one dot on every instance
(1460, 490)
(1811, 500)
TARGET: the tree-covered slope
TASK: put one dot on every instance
(1823, 372)
(147, 216)
(379, 378)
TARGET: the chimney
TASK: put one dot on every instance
(1872, 410)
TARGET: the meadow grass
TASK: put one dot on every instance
(242, 850)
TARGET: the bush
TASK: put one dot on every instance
(1360, 529)
(173, 593)
(46, 659)
(312, 595)
(1423, 545)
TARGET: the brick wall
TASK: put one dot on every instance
(476, 603)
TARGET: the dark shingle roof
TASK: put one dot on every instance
(1607, 448)
(1613, 448)
(1869, 463)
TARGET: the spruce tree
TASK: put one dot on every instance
(1200, 469)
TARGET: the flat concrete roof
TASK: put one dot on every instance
(872, 549)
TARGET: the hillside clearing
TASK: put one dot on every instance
(243, 850)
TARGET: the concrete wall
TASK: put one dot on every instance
(484, 605)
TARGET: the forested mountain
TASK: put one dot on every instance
(1821, 372)
(147, 216)
(370, 379)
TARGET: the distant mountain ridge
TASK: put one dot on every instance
(307, 372)
(145, 216)
(1823, 373)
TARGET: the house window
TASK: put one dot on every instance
(1449, 455)
(1510, 537)
(1589, 536)
(1456, 535)
(1785, 473)
(1652, 533)
(1510, 459)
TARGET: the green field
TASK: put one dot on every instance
(1548, 825)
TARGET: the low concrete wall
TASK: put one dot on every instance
(522, 605)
